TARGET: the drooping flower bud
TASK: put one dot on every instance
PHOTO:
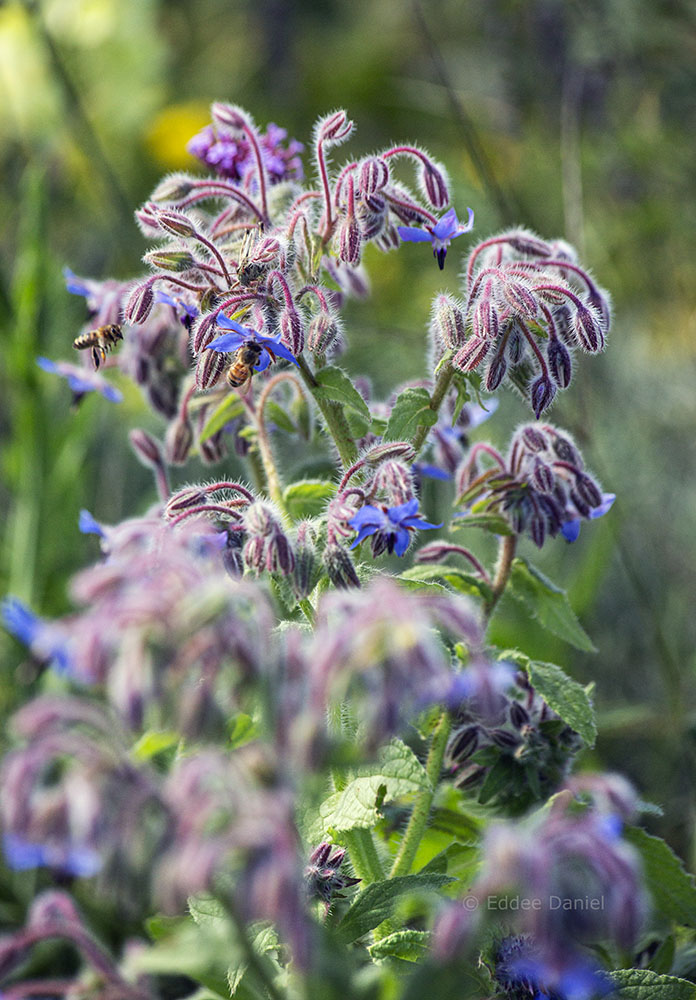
(139, 304)
(449, 322)
(173, 188)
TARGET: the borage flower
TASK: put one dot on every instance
(81, 380)
(570, 529)
(389, 525)
(440, 235)
(239, 335)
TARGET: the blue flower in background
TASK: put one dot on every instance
(570, 529)
(229, 342)
(183, 309)
(81, 380)
(21, 854)
(89, 525)
(391, 526)
(45, 640)
(440, 235)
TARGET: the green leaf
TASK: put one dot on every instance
(565, 696)
(663, 959)
(642, 984)
(334, 384)
(200, 952)
(673, 890)
(357, 806)
(242, 729)
(264, 939)
(496, 524)
(154, 742)
(308, 498)
(458, 579)
(277, 415)
(229, 409)
(379, 899)
(409, 412)
(548, 604)
(408, 945)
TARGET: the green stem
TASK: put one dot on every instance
(363, 855)
(506, 553)
(336, 423)
(421, 809)
(442, 384)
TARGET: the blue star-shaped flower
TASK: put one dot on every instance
(81, 380)
(570, 529)
(440, 235)
(389, 525)
(46, 641)
(21, 855)
(229, 342)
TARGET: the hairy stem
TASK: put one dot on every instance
(442, 384)
(336, 423)
(506, 553)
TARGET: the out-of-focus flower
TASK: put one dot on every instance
(322, 875)
(47, 641)
(81, 380)
(390, 526)
(439, 235)
(231, 156)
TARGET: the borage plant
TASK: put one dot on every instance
(282, 765)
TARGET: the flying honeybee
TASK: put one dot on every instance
(99, 341)
(241, 371)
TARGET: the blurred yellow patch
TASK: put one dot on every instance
(171, 129)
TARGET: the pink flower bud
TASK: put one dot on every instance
(434, 183)
(139, 304)
(229, 115)
(471, 354)
(146, 447)
(335, 127)
(373, 174)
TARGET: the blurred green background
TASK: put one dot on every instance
(577, 119)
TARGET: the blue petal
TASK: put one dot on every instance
(606, 505)
(227, 342)
(231, 324)
(20, 620)
(88, 525)
(367, 529)
(368, 515)
(412, 235)
(571, 529)
(446, 228)
(111, 393)
(74, 284)
(280, 349)
(402, 510)
(402, 540)
(432, 471)
(21, 854)
(418, 522)
(47, 365)
(468, 225)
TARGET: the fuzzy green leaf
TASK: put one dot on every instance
(673, 890)
(379, 899)
(642, 984)
(308, 498)
(334, 384)
(229, 409)
(548, 604)
(410, 411)
(408, 945)
(496, 524)
(565, 696)
(458, 579)
(357, 806)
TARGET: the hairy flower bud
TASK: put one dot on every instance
(462, 745)
(139, 304)
(588, 329)
(588, 490)
(373, 174)
(322, 332)
(209, 369)
(395, 479)
(389, 450)
(433, 182)
(147, 448)
(349, 240)
(176, 223)
(471, 354)
(560, 363)
(176, 261)
(541, 394)
(334, 128)
(339, 567)
(229, 115)
(291, 330)
(178, 441)
(448, 321)
(495, 371)
(173, 188)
